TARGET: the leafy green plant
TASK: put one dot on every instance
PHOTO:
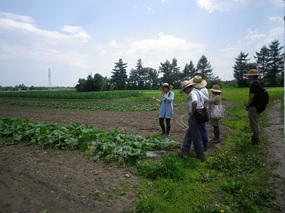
(96, 144)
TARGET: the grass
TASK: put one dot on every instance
(234, 179)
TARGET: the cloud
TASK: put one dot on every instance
(152, 51)
(22, 39)
(23, 24)
(228, 5)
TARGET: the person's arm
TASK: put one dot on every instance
(194, 107)
(250, 99)
(154, 98)
(170, 97)
(212, 100)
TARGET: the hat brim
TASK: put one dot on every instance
(170, 87)
(200, 85)
(216, 90)
(252, 74)
(186, 86)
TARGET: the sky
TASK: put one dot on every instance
(75, 38)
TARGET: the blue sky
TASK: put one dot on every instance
(75, 38)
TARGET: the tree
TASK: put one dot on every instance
(171, 72)
(119, 75)
(276, 63)
(138, 76)
(96, 83)
(204, 68)
(188, 71)
(262, 62)
(240, 69)
(152, 80)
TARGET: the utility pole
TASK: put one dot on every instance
(49, 80)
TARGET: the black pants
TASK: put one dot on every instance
(161, 123)
(217, 131)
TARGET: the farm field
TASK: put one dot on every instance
(131, 182)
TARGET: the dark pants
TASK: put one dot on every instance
(217, 131)
(193, 133)
(204, 135)
(161, 123)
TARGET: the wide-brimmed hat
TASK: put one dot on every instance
(252, 72)
(185, 84)
(216, 88)
(170, 87)
(199, 82)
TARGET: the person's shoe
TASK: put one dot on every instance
(216, 140)
(205, 149)
(182, 154)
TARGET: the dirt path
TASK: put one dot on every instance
(276, 151)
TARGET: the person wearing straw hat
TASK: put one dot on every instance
(193, 134)
(253, 114)
(201, 84)
(215, 100)
(166, 107)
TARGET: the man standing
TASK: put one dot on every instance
(201, 84)
(251, 106)
(193, 133)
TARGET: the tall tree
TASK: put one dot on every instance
(276, 63)
(204, 68)
(152, 79)
(119, 75)
(240, 69)
(262, 62)
(188, 71)
(138, 76)
(171, 72)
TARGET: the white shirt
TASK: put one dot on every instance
(199, 97)
(204, 90)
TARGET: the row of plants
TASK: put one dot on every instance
(64, 94)
(234, 179)
(123, 107)
(96, 144)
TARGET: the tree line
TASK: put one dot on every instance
(141, 77)
(269, 61)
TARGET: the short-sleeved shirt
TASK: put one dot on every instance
(204, 90)
(199, 97)
(255, 89)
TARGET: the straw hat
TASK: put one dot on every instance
(216, 88)
(185, 84)
(199, 82)
(252, 72)
(170, 87)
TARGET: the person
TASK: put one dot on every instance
(253, 114)
(193, 134)
(201, 84)
(166, 108)
(215, 100)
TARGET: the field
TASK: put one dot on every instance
(42, 134)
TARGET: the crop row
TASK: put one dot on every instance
(104, 95)
(96, 144)
(124, 107)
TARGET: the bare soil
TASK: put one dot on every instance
(274, 134)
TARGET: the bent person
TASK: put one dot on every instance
(166, 108)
